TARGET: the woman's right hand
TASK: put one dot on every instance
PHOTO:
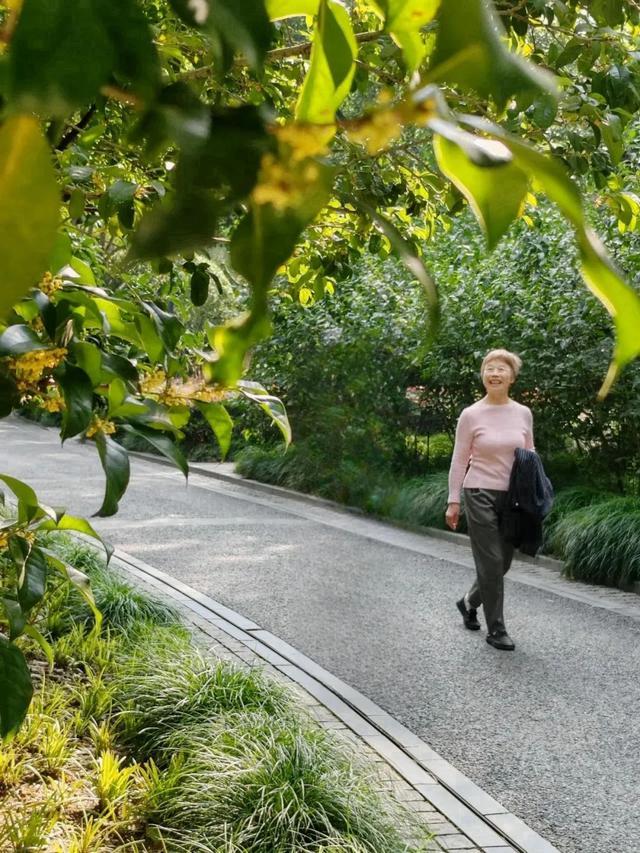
(452, 516)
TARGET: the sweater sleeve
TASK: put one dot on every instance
(460, 459)
(529, 442)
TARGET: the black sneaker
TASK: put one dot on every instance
(501, 640)
(469, 615)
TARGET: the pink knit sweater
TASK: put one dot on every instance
(486, 437)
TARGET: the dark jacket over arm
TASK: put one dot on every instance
(529, 499)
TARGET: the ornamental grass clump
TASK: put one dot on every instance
(423, 501)
(165, 683)
(601, 543)
(121, 605)
(298, 468)
(565, 502)
(264, 784)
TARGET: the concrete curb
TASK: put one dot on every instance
(464, 804)
(208, 470)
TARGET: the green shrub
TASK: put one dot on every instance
(296, 468)
(600, 543)
(303, 469)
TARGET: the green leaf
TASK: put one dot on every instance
(16, 688)
(544, 110)
(279, 9)
(55, 38)
(76, 204)
(168, 325)
(32, 631)
(150, 339)
(28, 504)
(332, 66)
(264, 240)
(78, 579)
(267, 236)
(77, 390)
(19, 339)
(232, 342)
(120, 403)
(83, 274)
(184, 221)
(233, 135)
(15, 616)
(163, 443)
(597, 269)
(609, 13)
(199, 286)
(88, 357)
(495, 191)
(220, 422)
(52, 41)
(118, 366)
(571, 51)
(48, 313)
(611, 130)
(78, 525)
(33, 579)
(135, 57)
(273, 406)
(115, 463)
(29, 208)
(404, 19)
(470, 53)
(9, 396)
(61, 253)
(243, 27)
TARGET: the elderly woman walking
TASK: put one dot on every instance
(487, 435)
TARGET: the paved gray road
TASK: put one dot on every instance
(551, 731)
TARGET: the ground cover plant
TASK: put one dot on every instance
(139, 740)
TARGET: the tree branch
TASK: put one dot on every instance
(294, 50)
(74, 131)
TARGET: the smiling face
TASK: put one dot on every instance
(497, 376)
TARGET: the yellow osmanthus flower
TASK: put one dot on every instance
(305, 140)
(30, 367)
(53, 402)
(283, 187)
(377, 131)
(4, 540)
(49, 285)
(28, 535)
(180, 392)
(97, 425)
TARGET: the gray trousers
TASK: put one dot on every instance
(491, 554)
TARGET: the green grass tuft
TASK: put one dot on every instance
(423, 501)
(600, 543)
(270, 786)
(164, 683)
(566, 501)
(122, 606)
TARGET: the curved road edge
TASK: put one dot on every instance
(475, 815)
